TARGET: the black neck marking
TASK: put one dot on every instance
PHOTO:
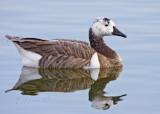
(99, 45)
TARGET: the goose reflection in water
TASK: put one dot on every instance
(33, 80)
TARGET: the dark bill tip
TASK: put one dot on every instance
(118, 33)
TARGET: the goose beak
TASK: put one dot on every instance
(118, 33)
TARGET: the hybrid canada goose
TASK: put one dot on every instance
(67, 53)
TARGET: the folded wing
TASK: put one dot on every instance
(57, 53)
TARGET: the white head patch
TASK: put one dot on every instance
(103, 27)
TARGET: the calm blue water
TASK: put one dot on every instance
(136, 90)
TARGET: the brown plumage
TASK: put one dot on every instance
(61, 53)
(67, 53)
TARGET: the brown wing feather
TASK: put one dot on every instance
(58, 53)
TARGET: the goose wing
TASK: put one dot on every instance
(57, 53)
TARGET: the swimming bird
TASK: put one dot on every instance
(67, 53)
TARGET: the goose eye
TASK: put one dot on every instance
(106, 25)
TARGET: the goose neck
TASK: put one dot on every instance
(99, 45)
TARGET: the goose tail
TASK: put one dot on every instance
(29, 58)
(12, 38)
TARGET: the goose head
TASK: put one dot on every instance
(105, 27)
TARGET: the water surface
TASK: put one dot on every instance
(135, 89)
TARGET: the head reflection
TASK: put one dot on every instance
(34, 80)
(98, 98)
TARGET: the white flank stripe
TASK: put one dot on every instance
(29, 58)
(94, 62)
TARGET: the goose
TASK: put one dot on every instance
(68, 53)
